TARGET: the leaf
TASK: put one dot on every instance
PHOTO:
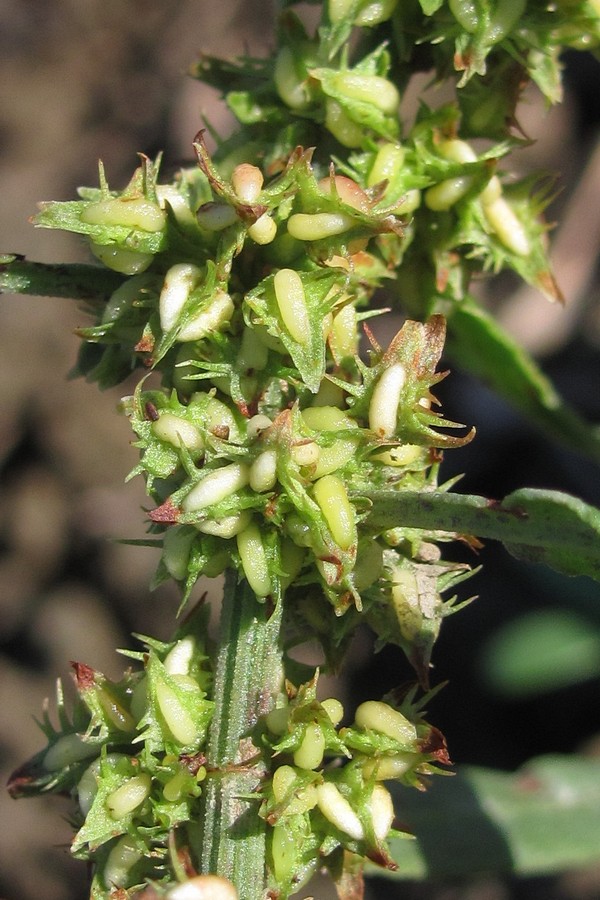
(478, 344)
(534, 525)
(77, 282)
(544, 818)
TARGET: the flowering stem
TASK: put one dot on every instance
(249, 673)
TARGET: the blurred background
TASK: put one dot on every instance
(83, 79)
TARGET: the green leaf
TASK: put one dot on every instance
(478, 344)
(534, 525)
(542, 819)
(77, 282)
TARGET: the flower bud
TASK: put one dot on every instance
(371, 89)
(177, 431)
(247, 182)
(385, 401)
(136, 213)
(330, 494)
(387, 164)
(227, 526)
(507, 227)
(382, 811)
(127, 262)
(177, 543)
(441, 197)
(318, 226)
(289, 294)
(216, 216)
(338, 811)
(264, 230)
(177, 719)
(334, 710)
(254, 560)
(216, 486)
(68, 749)
(263, 471)
(121, 859)
(378, 716)
(341, 126)
(309, 754)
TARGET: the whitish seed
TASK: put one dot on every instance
(129, 796)
(385, 401)
(348, 191)
(264, 230)
(305, 454)
(290, 87)
(256, 425)
(334, 710)
(444, 195)
(68, 749)
(177, 431)
(179, 282)
(136, 213)
(372, 89)
(217, 314)
(343, 337)
(204, 887)
(227, 526)
(263, 471)
(127, 262)
(387, 164)
(338, 811)
(87, 787)
(388, 768)
(179, 658)
(216, 486)
(177, 718)
(330, 494)
(247, 181)
(337, 121)
(507, 227)
(177, 542)
(309, 754)
(379, 716)
(216, 216)
(382, 811)
(254, 560)
(457, 151)
(317, 226)
(291, 301)
(120, 861)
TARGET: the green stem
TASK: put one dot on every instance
(249, 673)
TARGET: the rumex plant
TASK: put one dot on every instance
(281, 454)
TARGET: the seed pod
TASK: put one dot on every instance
(466, 13)
(127, 262)
(68, 749)
(216, 216)
(317, 226)
(121, 859)
(338, 811)
(334, 710)
(254, 560)
(129, 795)
(378, 716)
(289, 294)
(385, 401)
(507, 227)
(341, 126)
(309, 754)
(371, 89)
(203, 887)
(179, 282)
(492, 191)
(330, 494)
(226, 527)
(409, 201)
(441, 197)
(177, 719)
(177, 431)
(216, 486)
(247, 182)
(263, 471)
(382, 811)
(264, 230)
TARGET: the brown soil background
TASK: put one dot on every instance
(82, 79)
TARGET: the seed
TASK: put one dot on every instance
(371, 89)
(87, 787)
(466, 13)
(277, 722)
(334, 710)
(289, 294)
(403, 455)
(216, 486)
(179, 282)
(254, 560)
(335, 457)
(264, 230)
(124, 296)
(387, 164)
(374, 12)
(444, 195)
(389, 767)
(253, 353)
(338, 811)
(135, 213)
(247, 181)
(369, 564)
(263, 471)
(129, 796)
(226, 527)
(127, 262)
(177, 431)
(177, 543)
(69, 748)
(492, 191)
(348, 191)
(288, 83)
(216, 216)
(203, 887)
(305, 454)
(217, 314)
(381, 717)
(382, 811)
(179, 658)
(177, 718)
(507, 227)
(284, 850)
(327, 418)
(309, 754)
(121, 859)
(385, 401)
(317, 226)
(330, 494)
(457, 151)
(409, 201)
(343, 337)
(503, 19)
(341, 126)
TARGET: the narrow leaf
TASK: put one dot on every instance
(76, 281)
(544, 818)
(534, 525)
